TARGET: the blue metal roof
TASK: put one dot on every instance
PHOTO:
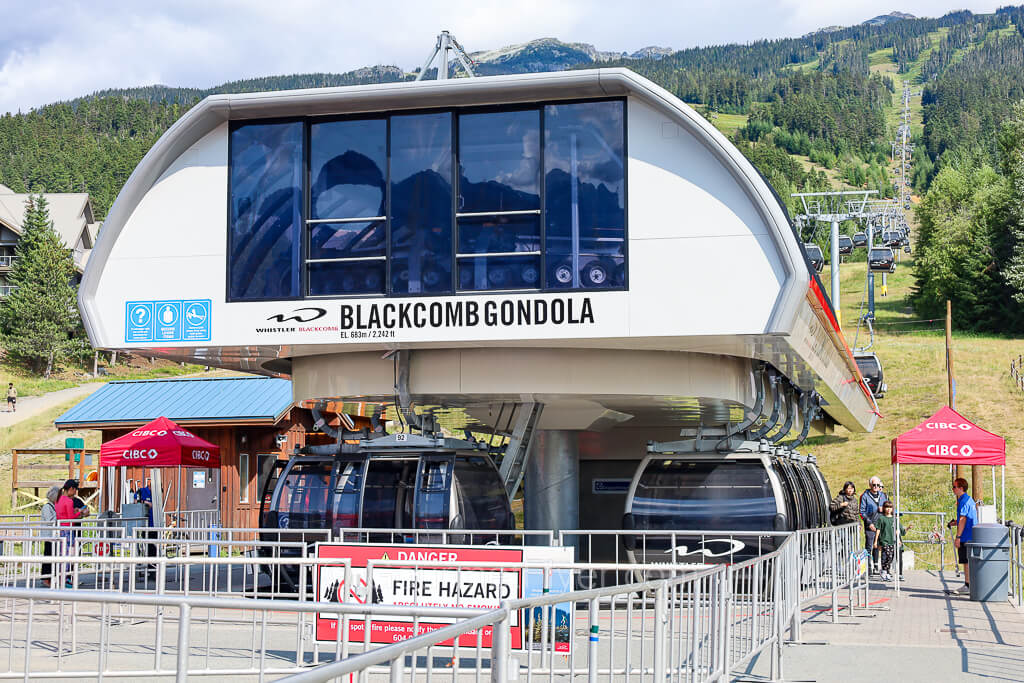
(218, 399)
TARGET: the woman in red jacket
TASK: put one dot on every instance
(66, 512)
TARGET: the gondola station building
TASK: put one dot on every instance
(582, 243)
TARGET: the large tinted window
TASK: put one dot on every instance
(483, 503)
(680, 494)
(348, 182)
(265, 215)
(525, 198)
(302, 496)
(585, 198)
(421, 204)
(388, 494)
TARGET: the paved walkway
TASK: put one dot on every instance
(921, 635)
(30, 406)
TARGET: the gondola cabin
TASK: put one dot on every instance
(845, 244)
(814, 256)
(860, 239)
(725, 495)
(882, 260)
(871, 368)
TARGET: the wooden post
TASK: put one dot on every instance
(14, 479)
(949, 370)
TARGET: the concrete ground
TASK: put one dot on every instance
(921, 635)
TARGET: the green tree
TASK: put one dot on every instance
(38, 319)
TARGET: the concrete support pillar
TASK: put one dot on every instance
(551, 493)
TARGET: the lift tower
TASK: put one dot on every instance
(446, 43)
(834, 208)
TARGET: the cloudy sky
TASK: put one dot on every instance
(59, 49)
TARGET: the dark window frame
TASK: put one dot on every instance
(455, 112)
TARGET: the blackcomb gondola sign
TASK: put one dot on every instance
(478, 316)
(450, 576)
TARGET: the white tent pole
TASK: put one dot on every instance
(1004, 493)
(995, 503)
(899, 537)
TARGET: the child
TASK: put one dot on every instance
(886, 539)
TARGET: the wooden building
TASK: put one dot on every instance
(252, 419)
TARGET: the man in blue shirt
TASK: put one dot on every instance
(145, 496)
(966, 518)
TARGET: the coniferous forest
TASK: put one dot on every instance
(813, 97)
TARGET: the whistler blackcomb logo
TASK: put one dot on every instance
(298, 321)
(298, 316)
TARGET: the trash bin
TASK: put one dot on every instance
(988, 557)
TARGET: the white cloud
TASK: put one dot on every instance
(62, 49)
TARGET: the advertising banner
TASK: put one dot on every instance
(458, 583)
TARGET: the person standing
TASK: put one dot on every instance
(48, 515)
(966, 518)
(144, 495)
(12, 398)
(843, 507)
(66, 512)
(870, 505)
(885, 540)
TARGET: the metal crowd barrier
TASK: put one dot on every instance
(677, 621)
(937, 536)
(1016, 563)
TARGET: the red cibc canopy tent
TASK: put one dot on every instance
(159, 444)
(948, 438)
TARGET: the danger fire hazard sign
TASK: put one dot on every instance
(430, 576)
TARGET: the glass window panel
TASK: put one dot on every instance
(584, 175)
(499, 161)
(388, 494)
(432, 503)
(346, 495)
(302, 497)
(499, 272)
(347, 240)
(498, 234)
(348, 165)
(421, 203)
(265, 211)
(327, 278)
(481, 503)
(243, 477)
(679, 494)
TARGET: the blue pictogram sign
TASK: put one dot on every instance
(167, 321)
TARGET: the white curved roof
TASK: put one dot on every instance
(699, 213)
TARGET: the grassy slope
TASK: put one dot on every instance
(913, 356)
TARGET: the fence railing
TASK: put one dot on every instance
(1017, 564)
(1017, 371)
(682, 621)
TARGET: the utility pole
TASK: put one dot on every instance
(828, 207)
